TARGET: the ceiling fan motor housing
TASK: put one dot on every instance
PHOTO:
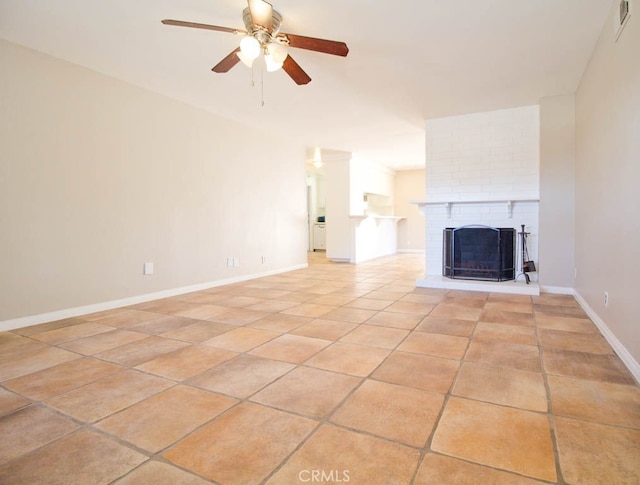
(256, 29)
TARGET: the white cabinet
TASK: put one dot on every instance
(319, 236)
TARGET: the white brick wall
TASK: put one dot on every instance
(483, 156)
(483, 159)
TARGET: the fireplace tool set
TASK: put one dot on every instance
(528, 266)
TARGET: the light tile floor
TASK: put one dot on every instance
(336, 373)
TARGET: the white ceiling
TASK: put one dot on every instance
(409, 60)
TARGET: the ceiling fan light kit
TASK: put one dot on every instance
(250, 47)
(271, 64)
(263, 37)
(277, 52)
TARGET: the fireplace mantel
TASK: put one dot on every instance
(448, 204)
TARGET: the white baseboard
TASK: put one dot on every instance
(133, 300)
(557, 290)
(623, 353)
(411, 251)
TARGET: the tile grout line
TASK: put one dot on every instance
(550, 414)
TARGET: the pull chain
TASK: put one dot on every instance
(253, 72)
(253, 81)
(262, 86)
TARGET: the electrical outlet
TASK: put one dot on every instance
(147, 269)
(229, 261)
(264, 259)
(606, 299)
(236, 262)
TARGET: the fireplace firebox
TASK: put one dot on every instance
(479, 253)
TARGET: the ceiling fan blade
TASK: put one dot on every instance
(261, 13)
(319, 45)
(194, 25)
(295, 72)
(228, 62)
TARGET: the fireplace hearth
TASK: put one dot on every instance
(478, 252)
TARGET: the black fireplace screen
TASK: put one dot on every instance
(479, 253)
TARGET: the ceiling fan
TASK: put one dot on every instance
(263, 36)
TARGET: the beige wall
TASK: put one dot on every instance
(607, 183)
(409, 185)
(98, 176)
(556, 213)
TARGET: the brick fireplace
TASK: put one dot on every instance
(481, 169)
